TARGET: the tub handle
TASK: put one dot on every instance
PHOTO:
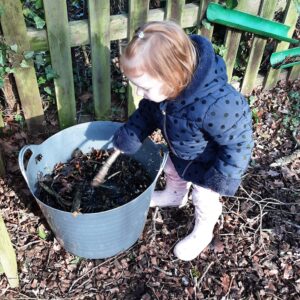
(21, 159)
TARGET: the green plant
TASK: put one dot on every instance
(220, 49)
(292, 120)
(34, 13)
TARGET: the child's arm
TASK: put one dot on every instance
(229, 125)
(140, 124)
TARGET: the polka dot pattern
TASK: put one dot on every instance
(207, 127)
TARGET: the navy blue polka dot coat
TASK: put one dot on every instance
(207, 126)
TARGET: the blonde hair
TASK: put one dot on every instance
(163, 51)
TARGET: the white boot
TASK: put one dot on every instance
(176, 191)
(208, 208)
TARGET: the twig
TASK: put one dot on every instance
(77, 200)
(229, 288)
(154, 225)
(99, 178)
(32, 243)
(163, 271)
(203, 275)
(290, 223)
(60, 199)
(286, 160)
(89, 271)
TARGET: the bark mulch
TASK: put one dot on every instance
(255, 253)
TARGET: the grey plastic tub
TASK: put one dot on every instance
(94, 235)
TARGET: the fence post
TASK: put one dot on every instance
(295, 73)
(8, 259)
(137, 16)
(257, 50)
(201, 15)
(290, 19)
(60, 52)
(174, 10)
(14, 31)
(233, 37)
(99, 21)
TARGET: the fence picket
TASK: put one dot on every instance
(233, 37)
(174, 10)
(290, 19)
(295, 73)
(99, 18)
(207, 32)
(138, 14)
(14, 30)
(60, 52)
(257, 50)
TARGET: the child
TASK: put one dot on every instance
(205, 121)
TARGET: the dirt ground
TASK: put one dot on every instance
(255, 253)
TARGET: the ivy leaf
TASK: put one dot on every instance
(48, 90)
(231, 3)
(39, 22)
(28, 54)
(9, 70)
(38, 4)
(1, 83)
(41, 233)
(39, 61)
(206, 24)
(2, 57)
(50, 73)
(24, 64)
(41, 80)
(14, 47)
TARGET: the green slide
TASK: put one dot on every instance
(285, 59)
(236, 19)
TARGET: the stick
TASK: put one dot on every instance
(60, 199)
(99, 178)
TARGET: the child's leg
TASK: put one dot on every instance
(208, 209)
(176, 191)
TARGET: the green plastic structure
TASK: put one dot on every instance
(285, 59)
(239, 20)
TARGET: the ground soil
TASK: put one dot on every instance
(255, 253)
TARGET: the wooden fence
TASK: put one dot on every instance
(99, 30)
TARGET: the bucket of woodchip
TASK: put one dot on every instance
(92, 235)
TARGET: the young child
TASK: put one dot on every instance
(205, 121)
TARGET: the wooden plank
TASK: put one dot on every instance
(79, 30)
(295, 73)
(7, 256)
(60, 52)
(99, 18)
(14, 31)
(138, 14)
(2, 164)
(174, 10)
(257, 50)
(290, 19)
(233, 37)
(207, 32)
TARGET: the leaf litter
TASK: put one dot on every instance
(255, 253)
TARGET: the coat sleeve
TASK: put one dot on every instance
(140, 124)
(229, 123)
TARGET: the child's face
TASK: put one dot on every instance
(148, 87)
